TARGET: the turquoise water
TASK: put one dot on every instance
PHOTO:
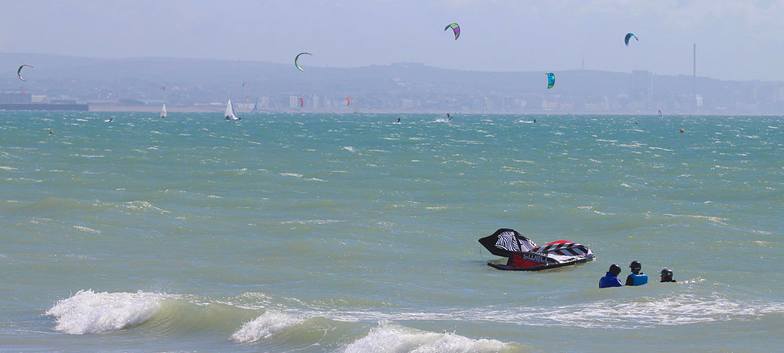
(348, 233)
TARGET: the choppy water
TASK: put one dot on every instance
(347, 233)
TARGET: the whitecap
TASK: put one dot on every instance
(389, 338)
(91, 312)
(713, 219)
(312, 221)
(264, 326)
(296, 175)
(142, 206)
(86, 229)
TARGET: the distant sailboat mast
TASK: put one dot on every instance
(255, 106)
(164, 113)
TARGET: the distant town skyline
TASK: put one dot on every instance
(143, 84)
(737, 40)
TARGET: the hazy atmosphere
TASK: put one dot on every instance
(738, 40)
(391, 176)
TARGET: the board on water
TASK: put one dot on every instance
(524, 255)
(505, 267)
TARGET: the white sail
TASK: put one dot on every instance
(163, 111)
(230, 112)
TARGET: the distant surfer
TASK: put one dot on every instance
(109, 120)
(666, 275)
(398, 120)
(448, 117)
(51, 132)
(637, 277)
(534, 121)
(611, 278)
(682, 130)
(660, 113)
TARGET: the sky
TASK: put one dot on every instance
(738, 40)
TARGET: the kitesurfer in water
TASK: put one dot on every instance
(611, 278)
(448, 117)
(636, 278)
(666, 275)
(398, 120)
(51, 132)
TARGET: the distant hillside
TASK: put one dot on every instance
(398, 87)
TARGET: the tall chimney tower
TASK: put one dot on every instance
(694, 72)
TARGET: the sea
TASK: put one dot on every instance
(125, 232)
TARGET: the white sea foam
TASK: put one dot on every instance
(388, 338)
(645, 312)
(713, 219)
(312, 221)
(91, 312)
(266, 325)
(142, 206)
(87, 229)
(296, 175)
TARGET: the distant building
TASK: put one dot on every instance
(15, 98)
(264, 103)
(549, 105)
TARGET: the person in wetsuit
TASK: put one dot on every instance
(611, 278)
(636, 278)
(666, 275)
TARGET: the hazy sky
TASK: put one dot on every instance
(741, 39)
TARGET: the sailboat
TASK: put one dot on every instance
(163, 111)
(230, 112)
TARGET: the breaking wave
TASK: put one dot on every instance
(389, 338)
(264, 326)
(91, 312)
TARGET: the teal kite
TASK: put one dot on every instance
(550, 80)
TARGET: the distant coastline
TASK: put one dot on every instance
(201, 85)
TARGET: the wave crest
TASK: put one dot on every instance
(389, 338)
(264, 326)
(91, 312)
